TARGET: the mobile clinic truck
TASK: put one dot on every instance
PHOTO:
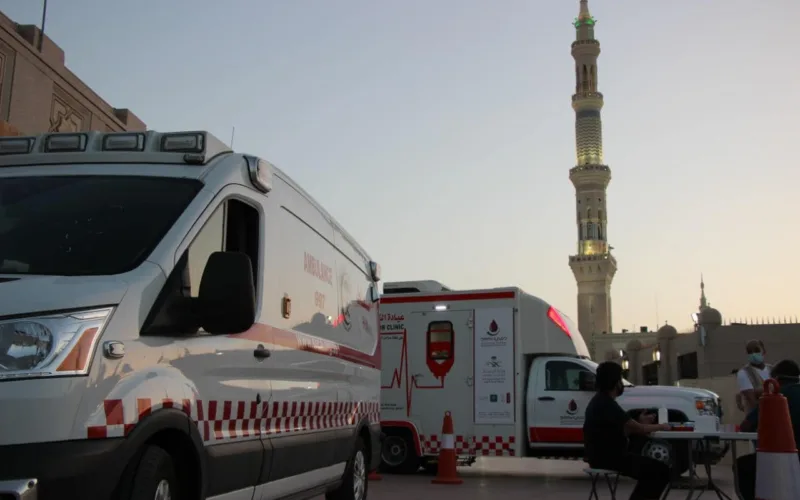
(178, 321)
(513, 370)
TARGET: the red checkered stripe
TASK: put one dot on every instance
(494, 446)
(223, 420)
(465, 445)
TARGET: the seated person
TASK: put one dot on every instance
(787, 373)
(605, 430)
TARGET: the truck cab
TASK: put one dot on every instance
(560, 387)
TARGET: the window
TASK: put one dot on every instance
(590, 235)
(440, 340)
(687, 366)
(650, 374)
(563, 375)
(588, 213)
(600, 214)
(600, 232)
(233, 227)
(86, 225)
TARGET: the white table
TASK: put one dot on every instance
(704, 439)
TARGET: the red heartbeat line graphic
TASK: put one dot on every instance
(399, 374)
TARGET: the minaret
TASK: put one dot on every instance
(593, 265)
(703, 301)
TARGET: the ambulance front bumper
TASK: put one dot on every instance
(66, 470)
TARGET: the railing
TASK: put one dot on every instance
(585, 42)
(586, 95)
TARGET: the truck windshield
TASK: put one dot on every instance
(86, 225)
(593, 366)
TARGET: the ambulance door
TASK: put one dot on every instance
(440, 355)
(559, 405)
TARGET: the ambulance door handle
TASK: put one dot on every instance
(261, 352)
(547, 398)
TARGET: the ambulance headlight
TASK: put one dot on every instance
(53, 345)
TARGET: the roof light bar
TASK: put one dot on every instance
(558, 320)
(16, 145)
(124, 142)
(183, 142)
(65, 143)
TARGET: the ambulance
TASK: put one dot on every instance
(178, 321)
(514, 372)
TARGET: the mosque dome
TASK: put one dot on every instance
(667, 332)
(633, 345)
(710, 316)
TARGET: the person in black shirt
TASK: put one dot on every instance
(605, 436)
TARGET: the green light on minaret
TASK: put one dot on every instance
(590, 21)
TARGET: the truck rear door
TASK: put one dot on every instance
(555, 403)
(440, 358)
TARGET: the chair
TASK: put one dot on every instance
(612, 480)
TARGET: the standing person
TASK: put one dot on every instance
(751, 376)
(605, 436)
(787, 373)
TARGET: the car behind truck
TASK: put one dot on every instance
(513, 370)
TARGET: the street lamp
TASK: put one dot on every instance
(657, 354)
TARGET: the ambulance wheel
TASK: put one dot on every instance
(154, 477)
(355, 482)
(398, 455)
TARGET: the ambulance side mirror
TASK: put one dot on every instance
(226, 301)
(374, 295)
(586, 381)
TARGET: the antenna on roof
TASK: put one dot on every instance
(233, 133)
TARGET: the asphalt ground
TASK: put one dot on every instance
(519, 478)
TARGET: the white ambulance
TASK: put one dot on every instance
(178, 321)
(513, 370)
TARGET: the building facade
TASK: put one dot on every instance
(712, 349)
(593, 265)
(39, 94)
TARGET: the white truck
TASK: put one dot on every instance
(513, 370)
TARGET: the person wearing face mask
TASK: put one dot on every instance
(787, 373)
(606, 429)
(751, 376)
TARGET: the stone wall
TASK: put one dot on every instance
(39, 94)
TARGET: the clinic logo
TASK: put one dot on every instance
(493, 362)
(572, 407)
(493, 329)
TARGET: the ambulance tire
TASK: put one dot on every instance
(154, 475)
(398, 445)
(355, 483)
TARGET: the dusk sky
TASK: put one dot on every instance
(440, 132)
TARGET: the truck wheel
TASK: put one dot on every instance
(154, 477)
(355, 482)
(398, 455)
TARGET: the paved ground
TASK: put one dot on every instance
(517, 479)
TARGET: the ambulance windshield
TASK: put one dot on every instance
(86, 225)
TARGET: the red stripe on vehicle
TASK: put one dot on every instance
(556, 434)
(302, 342)
(450, 297)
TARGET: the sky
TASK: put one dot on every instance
(440, 133)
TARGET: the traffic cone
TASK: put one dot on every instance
(777, 464)
(374, 476)
(447, 473)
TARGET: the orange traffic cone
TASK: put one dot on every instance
(777, 465)
(374, 476)
(447, 473)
